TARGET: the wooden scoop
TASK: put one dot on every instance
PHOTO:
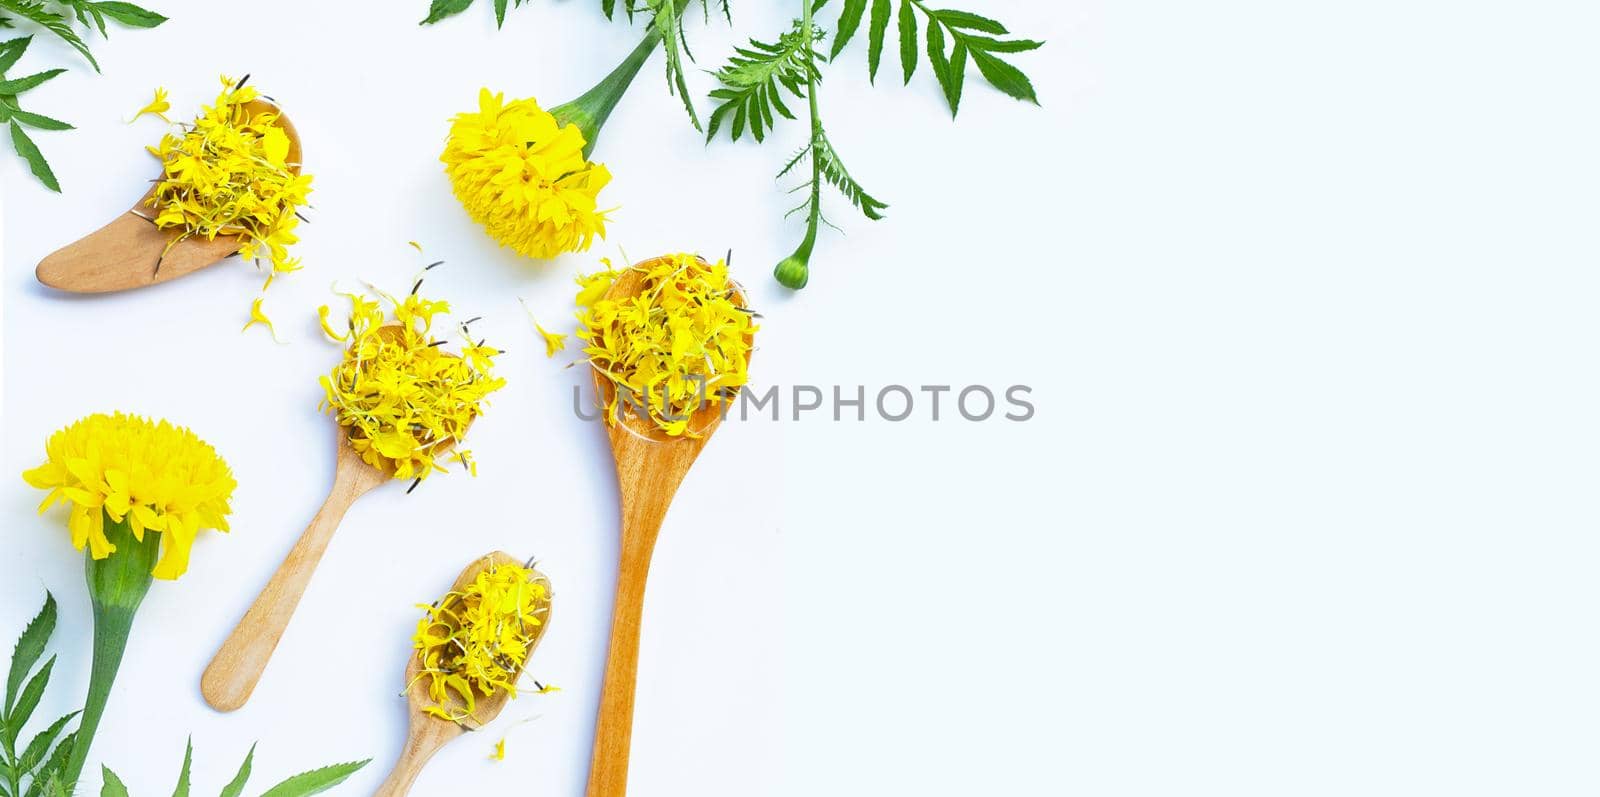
(234, 671)
(650, 466)
(429, 733)
(124, 253)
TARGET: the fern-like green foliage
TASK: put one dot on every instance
(754, 81)
(31, 769)
(666, 21)
(91, 14)
(304, 784)
(58, 24)
(950, 38)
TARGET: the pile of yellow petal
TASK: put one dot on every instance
(474, 642)
(683, 341)
(153, 476)
(229, 173)
(405, 402)
(522, 175)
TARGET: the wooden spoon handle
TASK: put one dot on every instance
(613, 733)
(234, 671)
(427, 737)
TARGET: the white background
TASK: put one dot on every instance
(1305, 291)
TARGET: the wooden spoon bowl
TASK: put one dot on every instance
(650, 466)
(429, 733)
(124, 253)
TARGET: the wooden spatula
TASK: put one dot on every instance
(650, 466)
(124, 253)
(429, 733)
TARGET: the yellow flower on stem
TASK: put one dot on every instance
(523, 176)
(126, 469)
(139, 492)
(524, 173)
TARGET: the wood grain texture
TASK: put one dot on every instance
(650, 467)
(123, 254)
(233, 673)
(429, 734)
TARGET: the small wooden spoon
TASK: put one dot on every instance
(233, 673)
(650, 466)
(124, 253)
(429, 733)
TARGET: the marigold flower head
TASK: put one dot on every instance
(523, 176)
(682, 342)
(152, 475)
(405, 403)
(229, 173)
(474, 642)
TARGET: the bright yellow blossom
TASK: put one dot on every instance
(474, 642)
(158, 107)
(230, 173)
(405, 402)
(681, 342)
(152, 475)
(523, 176)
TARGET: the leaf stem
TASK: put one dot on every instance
(795, 270)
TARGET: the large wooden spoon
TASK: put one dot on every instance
(650, 466)
(429, 733)
(124, 253)
(237, 667)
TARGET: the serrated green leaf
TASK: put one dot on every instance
(22, 84)
(112, 785)
(445, 8)
(834, 172)
(316, 781)
(11, 50)
(500, 13)
(235, 787)
(1004, 77)
(936, 56)
(36, 162)
(876, 32)
(970, 21)
(29, 647)
(908, 39)
(182, 789)
(35, 753)
(34, 11)
(128, 14)
(46, 777)
(849, 21)
(18, 717)
(38, 121)
(609, 7)
(989, 45)
(958, 77)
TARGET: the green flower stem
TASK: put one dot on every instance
(117, 585)
(795, 270)
(589, 111)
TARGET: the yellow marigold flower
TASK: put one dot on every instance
(405, 402)
(152, 475)
(523, 176)
(681, 342)
(158, 107)
(229, 173)
(474, 642)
